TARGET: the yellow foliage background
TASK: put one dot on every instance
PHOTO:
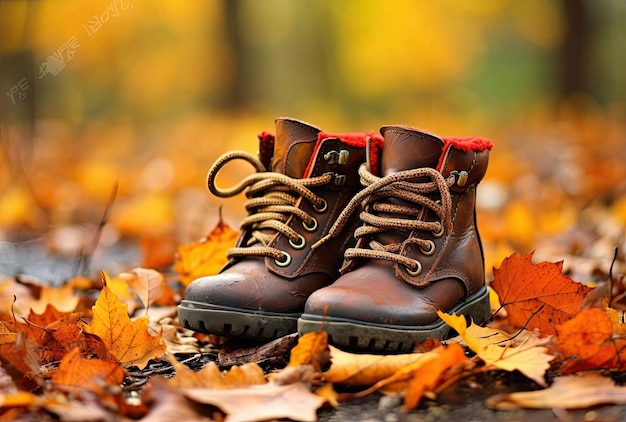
(153, 95)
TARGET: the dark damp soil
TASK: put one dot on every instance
(465, 402)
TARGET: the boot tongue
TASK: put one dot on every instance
(293, 147)
(407, 149)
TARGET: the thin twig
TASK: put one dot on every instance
(611, 281)
(84, 258)
(525, 325)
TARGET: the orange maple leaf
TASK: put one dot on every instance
(537, 295)
(130, 342)
(587, 342)
(312, 349)
(6, 335)
(429, 377)
(207, 256)
(76, 374)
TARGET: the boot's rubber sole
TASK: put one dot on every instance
(363, 336)
(235, 322)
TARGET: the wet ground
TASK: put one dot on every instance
(464, 401)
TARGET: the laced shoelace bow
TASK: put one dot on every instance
(271, 201)
(410, 187)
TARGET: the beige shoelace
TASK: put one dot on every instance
(410, 187)
(271, 201)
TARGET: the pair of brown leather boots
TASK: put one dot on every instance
(366, 235)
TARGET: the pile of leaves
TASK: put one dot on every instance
(88, 350)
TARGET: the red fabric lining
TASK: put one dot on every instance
(266, 136)
(266, 148)
(473, 143)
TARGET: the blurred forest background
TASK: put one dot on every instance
(146, 94)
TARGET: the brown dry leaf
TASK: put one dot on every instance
(312, 349)
(207, 256)
(525, 288)
(365, 369)
(51, 334)
(149, 284)
(530, 358)
(586, 343)
(73, 409)
(429, 377)
(24, 355)
(567, 392)
(71, 336)
(211, 377)
(261, 403)
(76, 374)
(130, 342)
(167, 404)
(55, 344)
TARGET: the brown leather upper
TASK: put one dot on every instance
(383, 292)
(259, 283)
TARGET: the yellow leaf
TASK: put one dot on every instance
(62, 298)
(365, 369)
(133, 220)
(18, 207)
(119, 287)
(19, 399)
(206, 257)
(617, 317)
(529, 358)
(328, 393)
(130, 342)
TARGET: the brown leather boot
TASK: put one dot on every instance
(304, 180)
(418, 248)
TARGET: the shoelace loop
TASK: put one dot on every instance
(271, 201)
(412, 187)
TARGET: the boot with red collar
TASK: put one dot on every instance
(418, 247)
(304, 180)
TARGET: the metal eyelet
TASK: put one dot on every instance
(323, 206)
(439, 231)
(430, 250)
(310, 228)
(416, 271)
(285, 261)
(301, 242)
